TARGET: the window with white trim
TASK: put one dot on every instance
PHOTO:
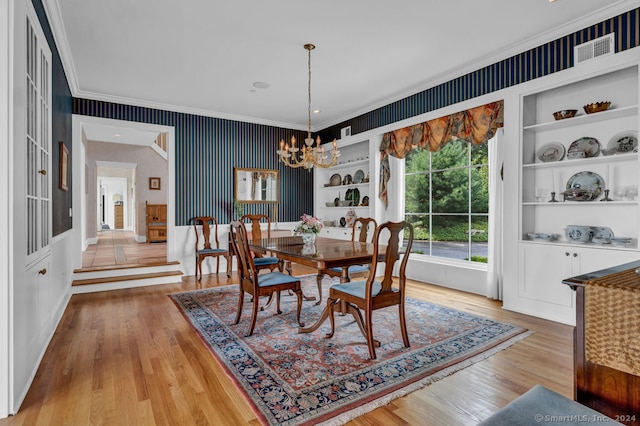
(447, 201)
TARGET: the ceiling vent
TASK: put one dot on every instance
(602, 46)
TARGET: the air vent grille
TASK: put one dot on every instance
(602, 46)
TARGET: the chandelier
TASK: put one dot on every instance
(308, 156)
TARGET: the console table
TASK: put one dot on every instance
(607, 341)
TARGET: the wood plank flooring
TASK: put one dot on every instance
(128, 357)
(119, 248)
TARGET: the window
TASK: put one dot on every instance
(447, 200)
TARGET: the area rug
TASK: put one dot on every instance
(298, 379)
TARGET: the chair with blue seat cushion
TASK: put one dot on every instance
(364, 227)
(257, 285)
(202, 225)
(373, 294)
(259, 259)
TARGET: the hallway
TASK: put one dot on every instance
(119, 248)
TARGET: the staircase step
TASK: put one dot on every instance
(125, 278)
(91, 285)
(118, 267)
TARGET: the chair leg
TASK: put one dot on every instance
(199, 268)
(403, 325)
(266, 305)
(240, 304)
(299, 309)
(369, 335)
(278, 302)
(330, 304)
(217, 264)
(254, 314)
(319, 284)
(229, 265)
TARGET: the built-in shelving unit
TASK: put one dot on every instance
(543, 264)
(354, 160)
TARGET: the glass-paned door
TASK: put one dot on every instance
(38, 143)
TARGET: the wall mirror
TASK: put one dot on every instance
(256, 185)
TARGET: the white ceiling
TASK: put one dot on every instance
(126, 135)
(203, 56)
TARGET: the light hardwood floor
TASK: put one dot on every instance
(128, 357)
(119, 248)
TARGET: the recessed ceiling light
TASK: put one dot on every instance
(117, 135)
(317, 111)
(260, 85)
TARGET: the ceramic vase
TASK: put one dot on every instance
(309, 238)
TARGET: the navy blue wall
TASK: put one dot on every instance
(543, 60)
(61, 129)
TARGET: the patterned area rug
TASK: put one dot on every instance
(296, 379)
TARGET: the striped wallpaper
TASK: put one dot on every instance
(548, 58)
(208, 148)
(206, 151)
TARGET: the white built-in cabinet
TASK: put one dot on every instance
(32, 299)
(542, 265)
(343, 180)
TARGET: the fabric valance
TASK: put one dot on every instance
(475, 125)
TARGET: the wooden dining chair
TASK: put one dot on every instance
(372, 294)
(257, 285)
(364, 227)
(203, 225)
(259, 259)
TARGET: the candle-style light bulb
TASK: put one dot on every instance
(281, 143)
(293, 141)
(318, 140)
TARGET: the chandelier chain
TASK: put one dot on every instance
(308, 156)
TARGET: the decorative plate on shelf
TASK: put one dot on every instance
(588, 181)
(624, 142)
(335, 180)
(347, 180)
(358, 177)
(343, 222)
(353, 194)
(602, 232)
(590, 147)
(553, 151)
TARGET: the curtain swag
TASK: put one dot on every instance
(475, 125)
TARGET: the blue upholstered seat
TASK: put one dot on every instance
(354, 269)
(211, 250)
(540, 404)
(262, 261)
(356, 288)
(275, 278)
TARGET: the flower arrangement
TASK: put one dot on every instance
(309, 225)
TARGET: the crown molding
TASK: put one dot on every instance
(185, 110)
(608, 12)
(52, 10)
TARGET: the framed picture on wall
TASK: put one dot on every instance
(64, 167)
(154, 183)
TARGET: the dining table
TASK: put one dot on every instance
(323, 254)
